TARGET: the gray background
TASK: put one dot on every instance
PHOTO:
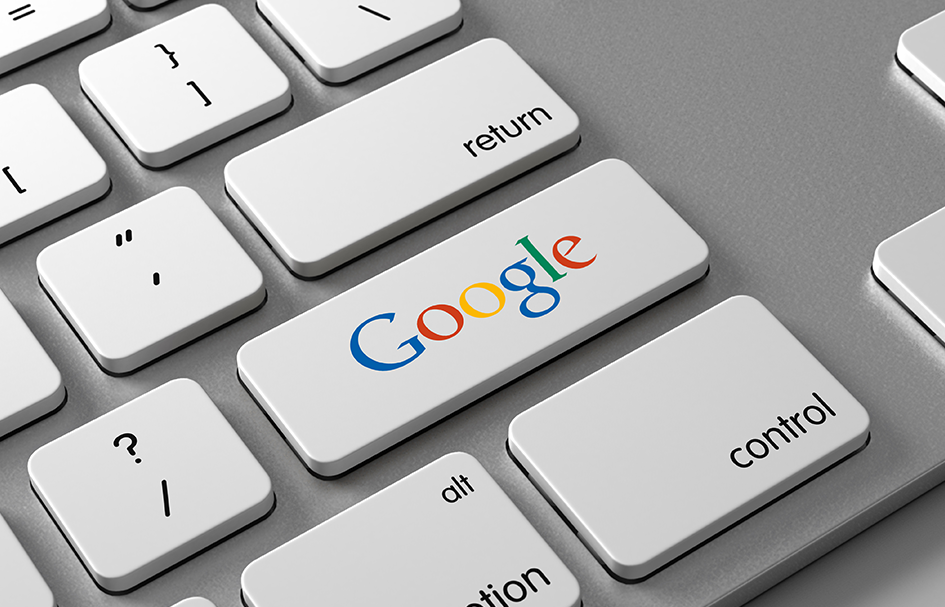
(782, 131)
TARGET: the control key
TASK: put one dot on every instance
(660, 451)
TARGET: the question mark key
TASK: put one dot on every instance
(150, 484)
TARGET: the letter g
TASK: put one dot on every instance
(375, 365)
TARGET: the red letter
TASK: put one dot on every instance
(562, 257)
(425, 330)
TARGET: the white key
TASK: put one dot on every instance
(30, 384)
(377, 364)
(446, 535)
(174, 90)
(150, 279)
(921, 52)
(195, 602)
(910, 264)
(339, 41)
(30, 29)
(47, 166)
(150, 484)
(20, 583)
(670, 445)
(347, 182)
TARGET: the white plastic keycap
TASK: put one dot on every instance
(347, 182)
(150, 279)
(340, 41)
(375, 365)
(670, 445)
(150, 484)
(184, 85)
(30, 384)
(20, 583)
(910, 265)
(445, 535)
(30, 29)
(195, 602)
(47, 166)
(922, 53)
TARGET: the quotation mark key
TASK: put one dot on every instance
(18, 13)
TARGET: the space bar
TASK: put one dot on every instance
(367, 172)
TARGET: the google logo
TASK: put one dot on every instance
(518, 269)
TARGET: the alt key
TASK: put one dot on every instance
(446, 535)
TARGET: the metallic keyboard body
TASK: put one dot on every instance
(784, 134)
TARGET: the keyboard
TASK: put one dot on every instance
(495, 305)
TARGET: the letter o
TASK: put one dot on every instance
(488, 286)
(505, 591)
(823, 416)
(429, 334)
(760, 442)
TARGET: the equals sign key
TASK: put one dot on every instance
(24, 11)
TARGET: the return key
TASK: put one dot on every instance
(367, 172)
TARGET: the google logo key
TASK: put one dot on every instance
(510, 280)
(378, 363)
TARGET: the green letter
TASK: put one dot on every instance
(550, 269)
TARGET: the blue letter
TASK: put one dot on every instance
(370, 363)
(531, 287)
